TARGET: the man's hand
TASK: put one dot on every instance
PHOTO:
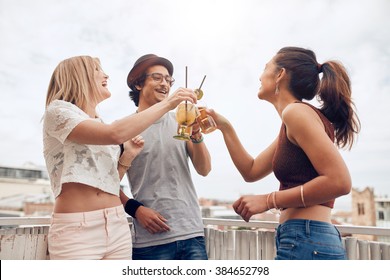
(151, 220)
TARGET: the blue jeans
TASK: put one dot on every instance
(308, 240)
(189, 249)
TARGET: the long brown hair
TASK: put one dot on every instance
(73, 80)
(333, 90)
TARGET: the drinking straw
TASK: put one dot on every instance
(186, 87)
(186, 75)
(201, 84)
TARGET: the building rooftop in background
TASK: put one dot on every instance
(28, 171)
(24, 191)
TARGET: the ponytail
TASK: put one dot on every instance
(333, 90)
(337, 105)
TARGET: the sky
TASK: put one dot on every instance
(229, 41)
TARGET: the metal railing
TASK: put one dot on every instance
(26, 238)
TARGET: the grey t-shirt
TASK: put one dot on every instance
(160, 178)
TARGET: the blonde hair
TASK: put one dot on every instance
(73, 80)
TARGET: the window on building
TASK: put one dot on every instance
(381, 215)
(360, 207)
(21, 173)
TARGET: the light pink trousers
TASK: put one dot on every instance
(94, 235)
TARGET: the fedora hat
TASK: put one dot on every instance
(143, 63)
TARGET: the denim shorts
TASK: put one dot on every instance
(308, 240)
(189, 249)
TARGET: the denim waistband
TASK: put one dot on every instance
(308, 226)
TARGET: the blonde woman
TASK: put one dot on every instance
(83, 160)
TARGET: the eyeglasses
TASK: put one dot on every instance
(158, 77)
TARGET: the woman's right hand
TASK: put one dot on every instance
(180, 95)
(220, 120)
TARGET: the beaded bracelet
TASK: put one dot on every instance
(196, 140)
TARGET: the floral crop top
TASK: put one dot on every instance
(67, 161)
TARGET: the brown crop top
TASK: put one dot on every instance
(290, 164)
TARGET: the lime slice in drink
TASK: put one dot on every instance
(199, 93)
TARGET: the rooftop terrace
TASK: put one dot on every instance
(26, 239)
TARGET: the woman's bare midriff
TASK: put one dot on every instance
(315, 212)
(76, 197)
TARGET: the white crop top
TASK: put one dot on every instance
(66, 161)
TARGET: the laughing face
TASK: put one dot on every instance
(268, 81)
(154, 91)
(101, 81)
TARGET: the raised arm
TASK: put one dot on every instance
(251, 169)
(95, 133)
(199, 153)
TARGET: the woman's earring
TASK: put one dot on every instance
(277, 89)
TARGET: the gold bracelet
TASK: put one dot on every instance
(271, 209)
(302, 197)
(274, 200)
(267, 201)
(124, 165)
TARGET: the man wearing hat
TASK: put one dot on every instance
(168, 223)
